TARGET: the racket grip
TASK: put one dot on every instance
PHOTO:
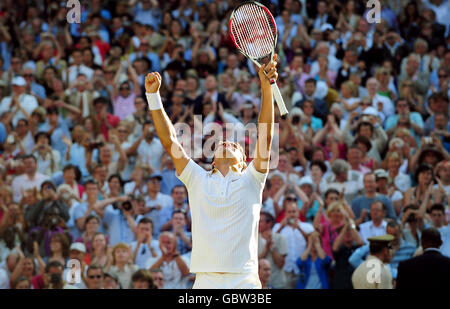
(279, 99)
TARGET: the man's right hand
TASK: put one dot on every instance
(152, 82)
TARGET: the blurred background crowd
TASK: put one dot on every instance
(363, 152)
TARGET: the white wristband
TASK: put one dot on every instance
(154, 100)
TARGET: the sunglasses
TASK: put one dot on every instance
(291, 199)
(442, 75)
(124, 88)
(95, 277)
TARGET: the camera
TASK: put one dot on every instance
(411, 218)
(295, 119)
(127, 206)
(95, 145)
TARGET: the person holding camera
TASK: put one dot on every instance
(50, 212)
(120, 220)
(296, 234)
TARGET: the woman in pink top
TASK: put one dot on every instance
(330, 222)
(123, 99)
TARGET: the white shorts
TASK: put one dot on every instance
(227, 281)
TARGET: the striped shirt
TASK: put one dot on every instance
(225, 216)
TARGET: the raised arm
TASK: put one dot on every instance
(164, 127)
(266, 117)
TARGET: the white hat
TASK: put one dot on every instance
(79, 246)
(19, 81)
(381, 173)
(296, 111)
(306, 180)
(277, 173)
(370, 111)
(326, 27)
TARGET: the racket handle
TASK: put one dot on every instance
(279, 99)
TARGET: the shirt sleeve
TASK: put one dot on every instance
(191, 173)
(259, 177)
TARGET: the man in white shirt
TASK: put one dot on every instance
(296, 234)
(19, 102)
(382, 104)
(377, 225)
(225, 202)
(29, 180)
(77, 68)
(155, 201)
(150, 150)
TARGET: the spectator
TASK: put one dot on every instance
(30, 179)
(313, 264)
(410, 272)
(171, 262)
(111, 281)
(402, 250)
(377, 225)
(296, 234)
(119, 263)
(272, 253)
(155, 201)
(142, 279)
(145, 246)
(179, 197)
(361, 204)
(95, 277)
(264, 270)
(344, 246)
(158, 278)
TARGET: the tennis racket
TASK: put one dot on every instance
(254, 33)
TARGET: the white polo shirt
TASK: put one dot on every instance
(368, 229)
(225, 216)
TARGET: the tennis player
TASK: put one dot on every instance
(225, 202)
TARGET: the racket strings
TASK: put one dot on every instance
(253, 31)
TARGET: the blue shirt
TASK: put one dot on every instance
(404, 252)
(79, 211)
(118, 228)
(57, 135)
(2, 133)
(78, 158)
(169, 180)
(154, 58)
(321, 267)
(363, 202)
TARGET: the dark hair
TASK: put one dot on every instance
(268, 217)
(90, 217)
(95, 266)
(178, 186)
(377, 246)
(24, 120)
(29, 156)
(431, 238)
(48, 182)
(320, 164)
(18, 280)
(53, 264)
(364, 123)
(310, 80)
(383, 206)
(438, 207)
(65, 243)
(423, 168)
(331, 190)
(101, 100)
(39, 134)
(145, 220)
(144, 275)
(363, 140)
(392, 223)
(90, 181)
(116, 176)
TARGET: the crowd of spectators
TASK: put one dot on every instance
(364, 150)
